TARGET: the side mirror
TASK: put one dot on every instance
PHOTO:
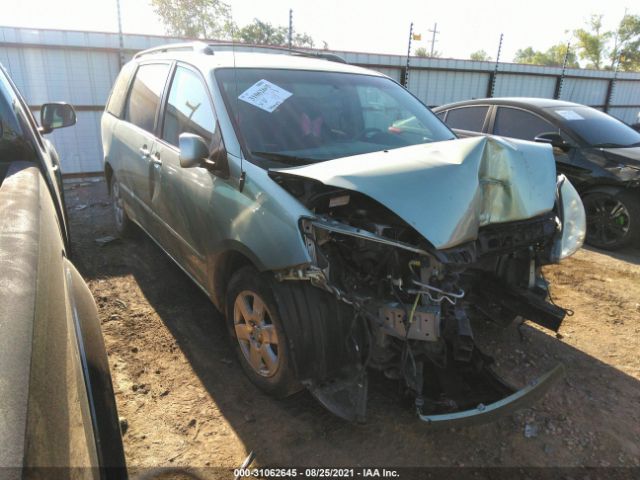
(56, 115)
(552, 138)
(194, 150)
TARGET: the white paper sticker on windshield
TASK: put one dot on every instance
(265, 95)
(569, 114)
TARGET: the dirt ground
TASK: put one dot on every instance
(186, 402)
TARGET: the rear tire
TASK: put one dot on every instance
(256, 330)
(124, 225)
(613, 217)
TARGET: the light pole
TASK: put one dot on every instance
(120, 36)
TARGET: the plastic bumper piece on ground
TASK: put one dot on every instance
(485, 413)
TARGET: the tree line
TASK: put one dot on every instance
(600, 49)
(211, 19)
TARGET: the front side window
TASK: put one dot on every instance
(516, 123)
(145, 94)
(309, 116)
(467, 118)
(188, 108)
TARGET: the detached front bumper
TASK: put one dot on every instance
(486, 413)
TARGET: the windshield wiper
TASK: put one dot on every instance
(284, 158)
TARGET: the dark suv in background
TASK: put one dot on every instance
(598, 153)
(58, 415)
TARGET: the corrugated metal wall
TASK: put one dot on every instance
(437, 87)
(80, 67)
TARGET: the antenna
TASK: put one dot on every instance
(243, 173)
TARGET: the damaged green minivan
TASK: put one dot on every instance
(338, 224)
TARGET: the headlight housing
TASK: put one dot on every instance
(573, 221)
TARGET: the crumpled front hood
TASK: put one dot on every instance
(447, 190)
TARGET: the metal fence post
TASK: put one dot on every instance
(406, 70)
(611, 87)
(560, 80)
(492, 76)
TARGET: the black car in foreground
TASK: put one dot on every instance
(598, 153)
(58, 415)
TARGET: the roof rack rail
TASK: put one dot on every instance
(332, 57)
(209, 49)
(197, 47)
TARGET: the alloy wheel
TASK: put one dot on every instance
(608, 219)
(256, 333)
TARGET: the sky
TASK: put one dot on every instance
(359, 25)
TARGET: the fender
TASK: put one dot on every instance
(93, 356)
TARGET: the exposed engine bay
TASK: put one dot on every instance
(412, 305)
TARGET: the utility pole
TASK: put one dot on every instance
(120, 37)
(290, 28)
(406, 69)
(494, 74)
(433, 38)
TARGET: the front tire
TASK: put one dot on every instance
(613, 217)
(257, 333)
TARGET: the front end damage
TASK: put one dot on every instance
(407, 290)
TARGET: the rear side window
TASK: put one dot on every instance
(188, 108)
(145, 94)
(467, 118)
(118, 97)
(515, 123)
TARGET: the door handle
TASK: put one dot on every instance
(155, 159)
(144, 152)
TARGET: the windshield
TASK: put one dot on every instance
(298, 117)
(596, 128)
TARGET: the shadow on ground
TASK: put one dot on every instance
(630, 254)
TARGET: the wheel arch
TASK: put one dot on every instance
(225, 264)
(609, 188)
